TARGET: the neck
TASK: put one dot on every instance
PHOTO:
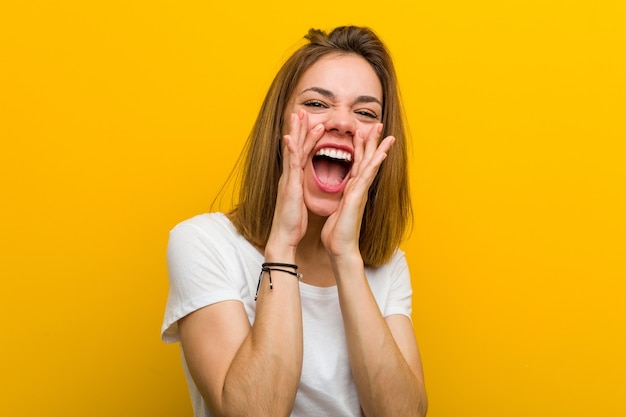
(312, 257)
(311, 244)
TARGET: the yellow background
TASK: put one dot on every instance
(119, 119)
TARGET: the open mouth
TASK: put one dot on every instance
(331, 166)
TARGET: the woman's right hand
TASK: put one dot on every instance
(290, 215)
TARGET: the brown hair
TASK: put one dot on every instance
(388, 208)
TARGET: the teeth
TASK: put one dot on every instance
(335, 154)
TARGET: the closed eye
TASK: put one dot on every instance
(367, 113)
(315, 104)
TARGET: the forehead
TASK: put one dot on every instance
(343, 74)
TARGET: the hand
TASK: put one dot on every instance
(340, 234)
(290, 214)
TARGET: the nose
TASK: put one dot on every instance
(342, 122)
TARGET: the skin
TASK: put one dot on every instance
(335, 104)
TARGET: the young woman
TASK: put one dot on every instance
(298, 301)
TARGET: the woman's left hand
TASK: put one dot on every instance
(340, 233)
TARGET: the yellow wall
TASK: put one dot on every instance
(118, 119)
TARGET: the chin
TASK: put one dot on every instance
(322, 207)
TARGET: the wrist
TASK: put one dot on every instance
(280, 253)
(347, 262)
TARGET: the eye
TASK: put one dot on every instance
(367, 113)
(315, 104)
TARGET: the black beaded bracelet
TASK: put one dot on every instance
(275, 266)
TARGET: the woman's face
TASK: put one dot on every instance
(343, 93)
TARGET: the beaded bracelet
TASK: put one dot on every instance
(275, 266)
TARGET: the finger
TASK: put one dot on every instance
(295, 123)
(290, 152)
(308, 137)
(286, 154)
(310, 140)
(370, 167)
(371, 141)
(290, 141)
(382, 151)
(303, 119)
(358, 142)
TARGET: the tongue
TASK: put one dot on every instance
(328, 172)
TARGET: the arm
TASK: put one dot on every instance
(242, 370)
(384, 356)
(383, 353)
(255, 370)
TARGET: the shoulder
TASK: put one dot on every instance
(391, 285)
(391, 276)
(208, 228)
(209, 237)
(205, 236)
(397, 264)
(207, 224)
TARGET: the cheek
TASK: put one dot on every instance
(315, 119)
(367, 129)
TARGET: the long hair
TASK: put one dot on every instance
(388, 209)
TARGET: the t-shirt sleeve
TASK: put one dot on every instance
(198, 276)
(400, 296)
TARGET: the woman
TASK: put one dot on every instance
(298, 302)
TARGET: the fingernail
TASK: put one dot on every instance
(380, 128)
(318, 127)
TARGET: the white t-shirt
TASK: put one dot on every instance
(209, 262)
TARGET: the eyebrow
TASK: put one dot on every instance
(329, 94)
